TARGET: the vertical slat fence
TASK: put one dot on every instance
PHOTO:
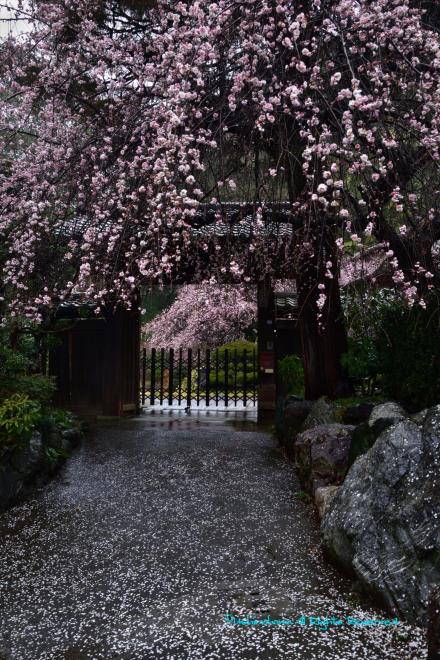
(206, 378)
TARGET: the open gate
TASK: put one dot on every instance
(202, 378)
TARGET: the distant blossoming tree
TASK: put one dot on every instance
(118, 118)
(204, 315)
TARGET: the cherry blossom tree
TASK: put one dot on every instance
(118, 120)
(204, 315)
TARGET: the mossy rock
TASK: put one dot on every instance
(321, 413)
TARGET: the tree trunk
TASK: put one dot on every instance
(322, 344)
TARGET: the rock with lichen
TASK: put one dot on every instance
(321, 455)
(384, 522)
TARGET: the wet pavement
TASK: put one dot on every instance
(157, 533)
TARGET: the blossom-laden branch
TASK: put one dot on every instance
(117, 119)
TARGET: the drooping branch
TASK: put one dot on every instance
(118, 119)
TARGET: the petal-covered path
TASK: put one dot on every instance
(152, 534)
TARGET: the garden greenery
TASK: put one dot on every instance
(19, 369)
(19, 416)
(394, 349)
(291, 375)
(408, 351)
(25, 393)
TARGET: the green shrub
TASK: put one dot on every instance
(409, 354)
(63, 419)
(364, 309)
(291, 375)
(19, 416)
(364, 312)
(302, 496)
(232, 378)
(239, 345)
(393, 350)
(16, 372)
(53, 420)
(53, 454)
(363, 364)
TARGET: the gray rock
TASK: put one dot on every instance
(320, 413)
(321, 455)
(385, 414)
(19, 468)
(431, 436)
(11, 485)
(24, 468)
(384, 522)
(29, 460)
(365, 435)
(324, 496)
(71, 437)
(64, 440)
(296, 411)
(293, 415)
(54, 439)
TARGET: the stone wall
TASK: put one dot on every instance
(24, 469)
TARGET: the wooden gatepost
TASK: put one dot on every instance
(96, 362)
(266, 352)
(278, 336)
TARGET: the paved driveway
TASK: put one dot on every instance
(156, 534)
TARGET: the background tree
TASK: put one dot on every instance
(204, 315)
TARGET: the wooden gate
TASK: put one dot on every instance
(203, 378)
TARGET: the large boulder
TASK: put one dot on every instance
(71, 437)
(294, 413)
(381, 417)
(384, 522)
(18, 468)
(384, 415)
(29, 460)
(321, 455)
(324, 496)
(320, 413)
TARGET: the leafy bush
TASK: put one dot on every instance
(25, 394)
(53, 420)
(232, 378)
(16, 372)
(291, 374)
(393, 349)
(409, 354)
(363, 364)
(364, 311)
(63, 419)
(19, 416)
(239, 345)
(53, 454)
